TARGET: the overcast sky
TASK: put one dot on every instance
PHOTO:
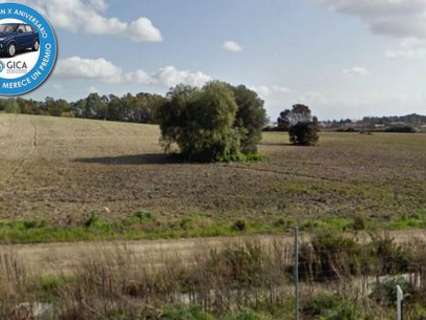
(344, 58)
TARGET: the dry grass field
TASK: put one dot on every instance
(62, 170)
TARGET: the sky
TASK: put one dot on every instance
(343, 58)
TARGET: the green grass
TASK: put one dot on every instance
(194, 313)
(144, 225)
(47, 288)
(416, 220)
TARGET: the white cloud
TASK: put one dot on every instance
(232, 46)
(282, 90)
(105, 71)
(410, 48)
(406, 53)
(100, 5)
(271, 92)
(89, 16)
(139, 76)
(143, 30)
(397, 18)
(98, 69)
(356, 71)
(170, 76)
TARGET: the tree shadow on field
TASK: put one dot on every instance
(147, 158)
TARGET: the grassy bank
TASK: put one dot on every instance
(144, 225)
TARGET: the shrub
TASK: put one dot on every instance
(349, 130)
(96, 223)
(359, 223)
(239, 225)
(304, 133)
(401, 129)
(390, 258)
(385, 292)
(328, 257)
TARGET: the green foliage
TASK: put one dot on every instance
(401, 129)
(385, 292)
(240, 225)
(304, 133)
(218, 122)
(142, 108)
(11, 106)
(329, 256)
(289, 118)
(247, 315)
(388, 256)
(201, 122)
(239, 266)
(359, 222)
(56, 107)
(303, 128)
(93, 220)
(409, 221)
(193, 313)
(48, 287)
(332, 307)
(250, 118)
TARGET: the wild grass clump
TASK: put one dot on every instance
(329, 256)
(14, 281)
(332, 307)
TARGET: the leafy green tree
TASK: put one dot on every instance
(251, 117)
(289, 118)
(30, 106)
(201, 123)
(114, 108)
(56, 107)
(304, 133)
(284, 120)
(92, 107)
(302, 127)
(12, 106)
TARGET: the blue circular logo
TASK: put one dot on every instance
(28, 49)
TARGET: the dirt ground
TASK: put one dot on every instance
(62, 169)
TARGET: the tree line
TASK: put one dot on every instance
(140, 108)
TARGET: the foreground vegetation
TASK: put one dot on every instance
(341, 278)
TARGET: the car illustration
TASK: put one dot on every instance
(17, 37)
